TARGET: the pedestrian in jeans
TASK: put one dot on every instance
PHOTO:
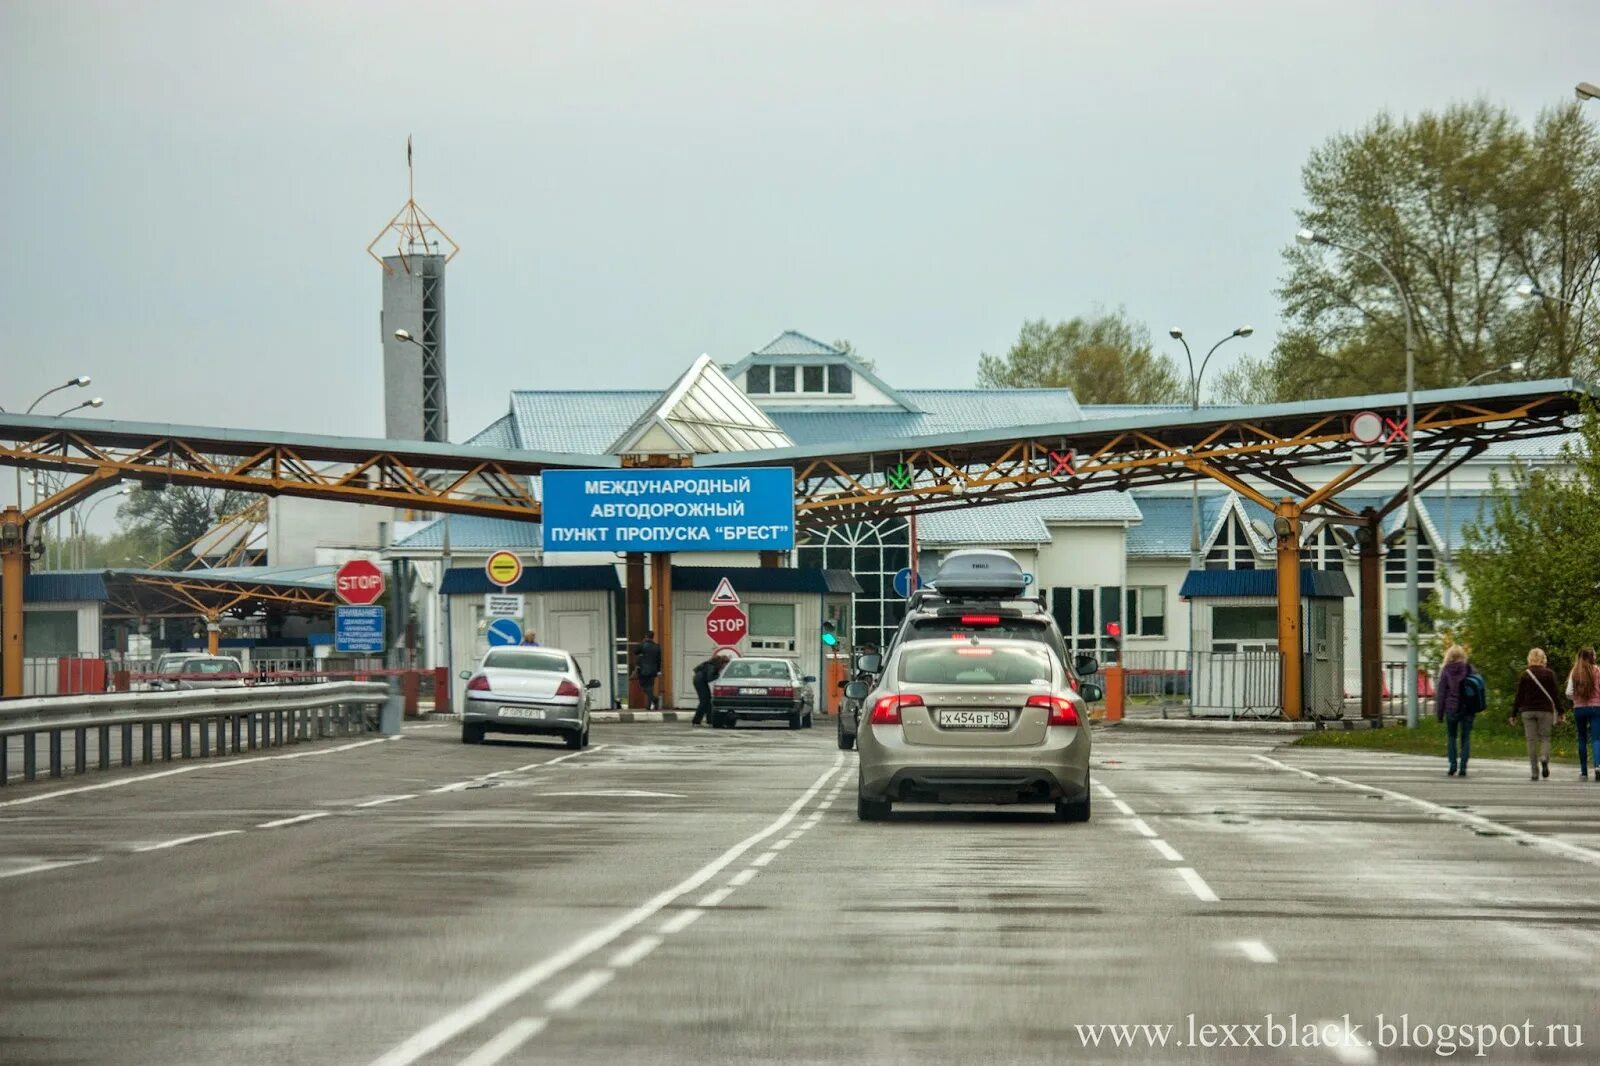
(1538, 708)
(1583, 689)
(1448, 706)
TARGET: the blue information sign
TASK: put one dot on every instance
(503, 631)
(905, 582)
(669, 510)
(358, 630)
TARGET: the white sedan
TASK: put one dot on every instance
(531, 691)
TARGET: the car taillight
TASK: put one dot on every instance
(980, 619)
(1062, 712)
(723, 690)
(784, 690)
(479, 683)
(568, 688)
(887, 710)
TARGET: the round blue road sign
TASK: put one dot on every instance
(503, 631)
(905, 582)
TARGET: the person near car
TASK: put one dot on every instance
(1537, 705)
(531, 639)
(1583, 689)
(704, 674)
(1448, 706)
(647, 665)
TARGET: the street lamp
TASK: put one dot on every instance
(96, 402)
(79, 382)
(1306, 236)
(81, 550)
(1529, 291)
(405, 337)
(1586, 90)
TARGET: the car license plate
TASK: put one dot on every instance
(752, 692)
(523, 712)
(975, 719)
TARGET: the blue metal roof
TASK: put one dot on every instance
(501, 433)
(1023, 522)
(471, 580)
(469, 532)
(763, 579)
(793, 342)
(1164, 530)
(1314, 584)
(59, 586)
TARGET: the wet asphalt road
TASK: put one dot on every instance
(675, 895)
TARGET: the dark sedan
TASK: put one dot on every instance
(761, 690)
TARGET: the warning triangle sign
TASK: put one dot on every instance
(724, 593)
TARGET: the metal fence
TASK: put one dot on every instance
(125, 728)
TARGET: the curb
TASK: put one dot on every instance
(1221, 725)
(609, 716)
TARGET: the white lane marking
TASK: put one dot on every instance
(511, 1037)
(743, 877)
(41, 867)
(627, 793)
(1104, 791)
(634, 952)
(221, 764)
(1559, 847)
(1197, 884)
(780, 845)
(580, 990)
(1167, 851)
(681, 921)
(1122, 808)
(1142, 827)
(474, 1011)
(293, 821)
(764, 858)
(714, 899)
(824, 805)
(188, 840)
(381, 800)
(457, 786)
(796, 835)
(1256, 951)
(810, 823)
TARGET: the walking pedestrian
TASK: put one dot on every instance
(1458, 699)
(647, 665)
(1537, 706)
(704, 674)
(1583, 689)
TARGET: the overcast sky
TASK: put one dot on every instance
(189, 187)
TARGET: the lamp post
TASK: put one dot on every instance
(1516, 366)
(1413, 606)
(79, 382)
(1586, 90)
(80, 550)
(96, 402)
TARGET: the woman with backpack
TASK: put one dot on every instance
(1458, 697)
(1536, 704)
(1583, 689)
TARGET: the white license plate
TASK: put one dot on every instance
(752, 692)
(975, 719)
(524, 712)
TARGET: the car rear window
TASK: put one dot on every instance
(519, 659)
(747, 668)
(973, 664)
(979, 623)
(210, 666)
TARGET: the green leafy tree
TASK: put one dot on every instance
(177, 514)
(1462, 206)
(1532, 562)
(849, 349)
(1102, 357)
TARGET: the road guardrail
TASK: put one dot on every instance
(200, 721)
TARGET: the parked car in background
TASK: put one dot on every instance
(529, 691)
(762, 690)
(979, 720)
(200, 671)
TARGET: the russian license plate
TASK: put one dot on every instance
(752, 692)
(975, 719)
(524, 712)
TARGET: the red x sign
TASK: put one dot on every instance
(1398, 430)
(1062, 463)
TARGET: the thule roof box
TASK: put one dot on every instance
(985, 573)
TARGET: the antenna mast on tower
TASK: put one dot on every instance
(415, 232)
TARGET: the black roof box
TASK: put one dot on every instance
(983, 572)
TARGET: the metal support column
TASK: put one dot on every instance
(661, 615)
(14, 550)
(1290, 653)
(637, 612)
(1370, 539)
(213, 634)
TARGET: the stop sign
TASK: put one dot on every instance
(358, 583)
(726, 625)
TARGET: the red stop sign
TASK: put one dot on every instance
(726, 625)
(358, 583)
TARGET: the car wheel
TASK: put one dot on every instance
(574, 740)
(472, 733)
(872, 810)
(795, 720)
(846, 740)
(585, 743)
(1073, 810)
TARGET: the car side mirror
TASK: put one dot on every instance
(466, 675)
(1086, 665)
(870, 663)
(1092, 693)
(856, 690)
(810, 679)
(594, 682)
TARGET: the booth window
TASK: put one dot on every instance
(1394, 576)
(758, 379)
(772, 620)
(1147, 611)
(1244, 623)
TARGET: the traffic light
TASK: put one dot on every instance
(830, 635)
(1114, 636)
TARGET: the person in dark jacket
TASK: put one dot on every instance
(647, 665)
(704, 674)
(1447, 695)
(1539, 708)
